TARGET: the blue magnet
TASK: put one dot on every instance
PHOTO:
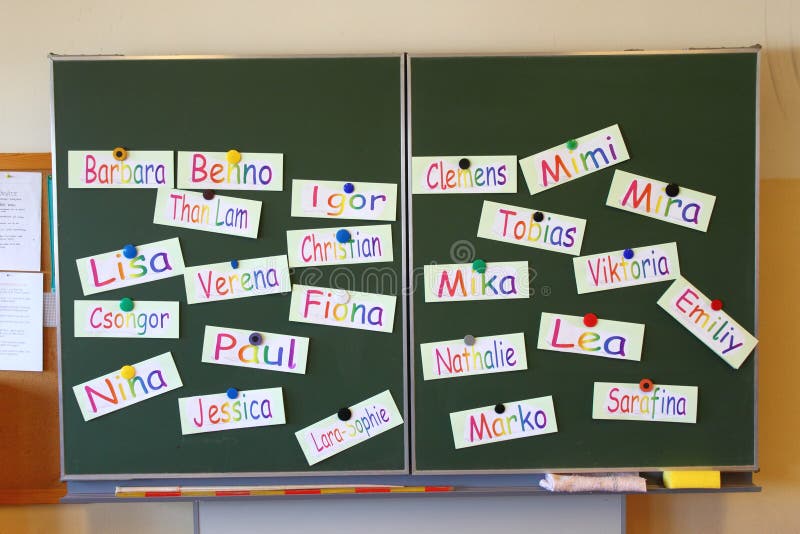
(255, 338)
(343, 236)
(627, 253)
(349, 188)
(232, 393)
(129, 251)
(235, 264)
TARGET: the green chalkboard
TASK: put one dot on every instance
(332, 119)
(689, 118)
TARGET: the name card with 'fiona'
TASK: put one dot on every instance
(111, 270)
(142, 169)
(217, 411)
(345, 309)
(112, 392)
(237, 279)
(219, 214)
(331, 435)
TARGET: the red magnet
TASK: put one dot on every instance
(716, 305)
(590, 320)
(646, 385)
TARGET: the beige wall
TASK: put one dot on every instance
(32, 28)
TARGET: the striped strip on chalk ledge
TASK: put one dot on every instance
(260, 491)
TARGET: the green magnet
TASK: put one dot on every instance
(126, 304)
(479, 266)
(572, 144)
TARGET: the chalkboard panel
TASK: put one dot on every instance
(689, 118)
(332, 118)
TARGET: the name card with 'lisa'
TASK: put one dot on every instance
(148, 319)
(221, 215)
(518, 419)
(329, 199)
(610, 339)
(255, 171)
(488, 354)
(248, 278)
(670, 404)
(256, 350)
(345, 309)
(511, 224)
(459, 281)
(648, 197)
(143, 169)
(463, 174)
(111, 270)
(215, 412)
(331, 436)
(111, 392)
(573, 159)
(612, 270)
(715, 328)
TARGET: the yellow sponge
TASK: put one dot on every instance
(691, 479)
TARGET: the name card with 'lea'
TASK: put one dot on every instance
(111, 392)
(715, 328)
(519, 419)
(249, 278)
(217, 411)
(111, 270)
(143, 169)
(331, 436)
(270, 352)
(255, 171)
(610, 339)
(148, 319)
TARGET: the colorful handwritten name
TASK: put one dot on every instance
(148, 319)
(335, 200)
(574, 159)
(488, 354)
(331, 435)
(111, 270)
(670, 404)
(222, 215)
(215, 412)
(254, 171)
(320, 246)
(111, 392)
(520, 419)
(140, 169)
(248, 278)
(345, 309)
(648, 197)
(715, 328)
(270, 352)
(454, 282)
(609, 339)
(612, 270)
(512, 224)
(463, 174)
